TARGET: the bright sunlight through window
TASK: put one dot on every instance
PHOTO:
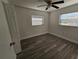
(69, 19)
(37, 20)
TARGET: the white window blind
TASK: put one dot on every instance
(37, 20)
(69, 19)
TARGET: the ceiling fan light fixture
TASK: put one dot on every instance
(50, 3)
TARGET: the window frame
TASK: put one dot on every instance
(64, 24)
(37, 16)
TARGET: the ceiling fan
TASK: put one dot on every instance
(51, 4)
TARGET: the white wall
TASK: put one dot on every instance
(24, 19)
(69, 33)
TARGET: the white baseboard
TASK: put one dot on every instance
(33, 35)
(74, 41)
(52, 34)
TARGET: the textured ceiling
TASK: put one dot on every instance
(34, 3)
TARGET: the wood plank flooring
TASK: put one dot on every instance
(47, 47)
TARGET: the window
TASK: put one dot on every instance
(37, 20)
(69, 19)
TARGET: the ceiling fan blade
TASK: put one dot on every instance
(55, 6)
(47, 7)
(41, 5)
(58, 2)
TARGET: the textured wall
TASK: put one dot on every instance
(24, 18)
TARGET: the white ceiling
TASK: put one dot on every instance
(34, 3)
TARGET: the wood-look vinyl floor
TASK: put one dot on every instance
(48, 47)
